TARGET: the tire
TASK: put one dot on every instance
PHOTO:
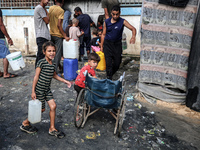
(122, 113)
(79, 109)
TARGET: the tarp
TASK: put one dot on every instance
(166, 35)
(193, 80)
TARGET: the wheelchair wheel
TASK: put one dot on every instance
(79, 109)
(122, 113)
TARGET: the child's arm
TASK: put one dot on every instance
(81, 34)
(35, 80)
(99, 44)
(55, 76)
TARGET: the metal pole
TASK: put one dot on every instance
(26, 40)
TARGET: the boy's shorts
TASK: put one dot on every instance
(44, 96)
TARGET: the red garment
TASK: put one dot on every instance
(100, 27)
(80, 79)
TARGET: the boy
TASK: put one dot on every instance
(111, 40)
(74, 32)
(93, 60)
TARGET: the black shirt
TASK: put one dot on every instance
(94, 41)
(84, 24)
(1, 33)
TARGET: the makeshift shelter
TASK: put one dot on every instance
(193, 80)
(166, 35)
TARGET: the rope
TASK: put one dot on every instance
(106, 97)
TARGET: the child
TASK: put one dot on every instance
(45, 71)
(100, 22)
(95, 41)
(99, 34)
(93, 60)
(74, 31)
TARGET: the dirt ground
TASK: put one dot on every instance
(146, 126)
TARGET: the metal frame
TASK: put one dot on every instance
(130, 3)
(119, 115)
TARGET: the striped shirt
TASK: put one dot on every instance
(46, 75)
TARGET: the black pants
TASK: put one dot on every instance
(86, 41)
(40, 41)
(113, 57)
(78, 89)
(59, 51)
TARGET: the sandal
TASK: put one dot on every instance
(29, 129)
(11, 76)
(57, 134)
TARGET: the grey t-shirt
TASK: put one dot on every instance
(109, 4)
(41, 28)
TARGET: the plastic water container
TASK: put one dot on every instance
(102, 64)
(96, 48)
(34, 111)
(70, 49)
(16, 61)
(70, 67)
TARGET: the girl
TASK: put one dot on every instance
(45, 71)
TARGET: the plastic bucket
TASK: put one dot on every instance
(16, 61)
(70, 67)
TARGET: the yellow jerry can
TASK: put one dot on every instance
(102, 64)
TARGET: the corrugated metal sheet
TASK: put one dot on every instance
(27, 4)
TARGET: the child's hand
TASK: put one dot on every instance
(33, 96)
(68, 83)
(82, 32)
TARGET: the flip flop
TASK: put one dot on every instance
(11, 76)
(28, 129)
(57, 134)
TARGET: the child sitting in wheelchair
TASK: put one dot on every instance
(93, 60)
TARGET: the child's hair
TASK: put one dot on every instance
(100, 19)
(74, 21)
(100, 31)
(94, 56)
(70, 22)
(46, 44)
(95, 32)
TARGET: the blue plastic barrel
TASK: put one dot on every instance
(70, 66)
